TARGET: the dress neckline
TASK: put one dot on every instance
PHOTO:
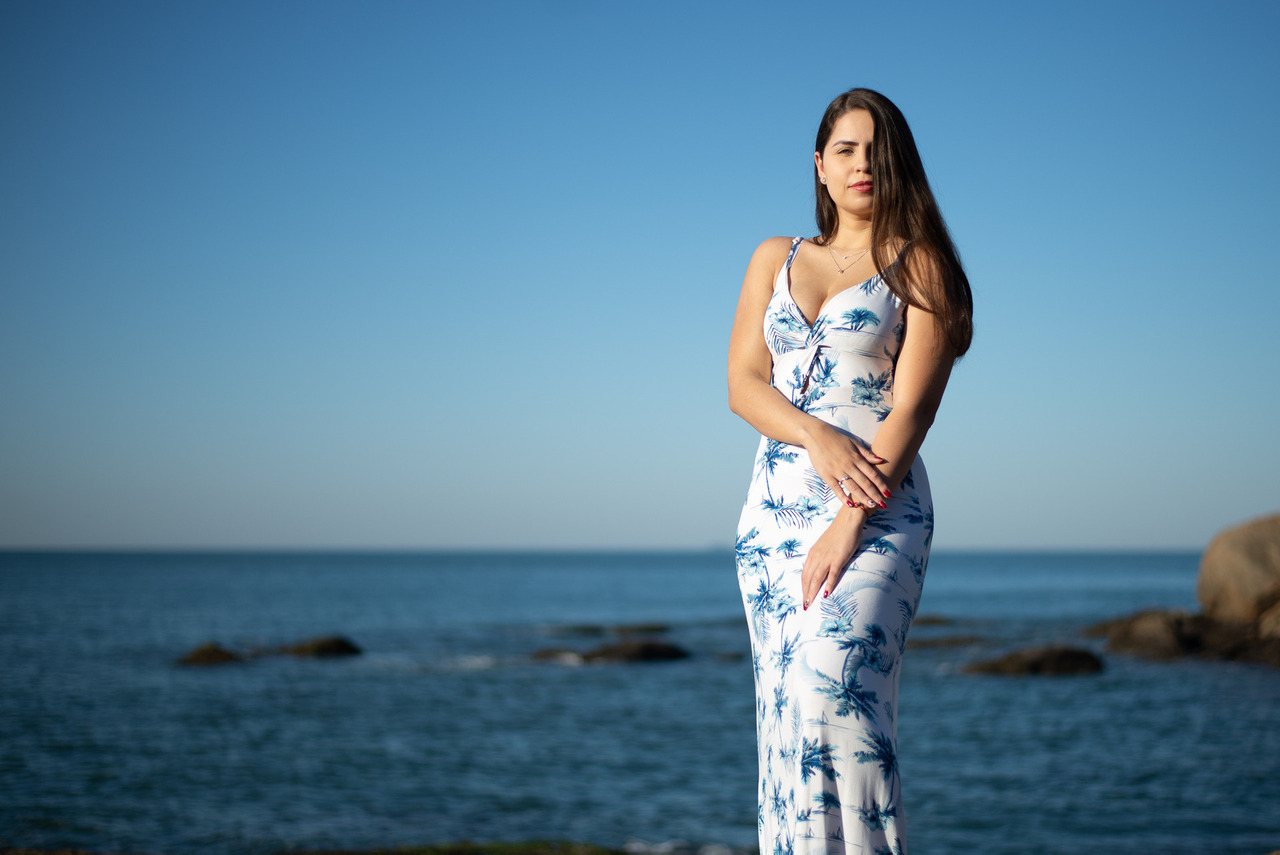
(785, 275)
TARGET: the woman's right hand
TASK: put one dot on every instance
(846, 467)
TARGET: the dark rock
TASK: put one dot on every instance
(1269, 623)
(562, 655)
(1039, 660)
(324, 648)
(636, 651)
(944, 641)
(1155, 633)
(593, 630)
(1160, 634)
(210, 653)
(1239, 575)
(931, 620)
(641, 629)
(587, 630)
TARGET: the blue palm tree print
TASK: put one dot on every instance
(827, 677)
(817, 759)
(856, 320)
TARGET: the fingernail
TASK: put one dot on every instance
(883, 506)
(888, 495)
(824, 594)
(806, 607)
(849, 502)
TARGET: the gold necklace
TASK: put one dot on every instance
(836, 258)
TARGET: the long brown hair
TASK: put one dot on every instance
(904, 215)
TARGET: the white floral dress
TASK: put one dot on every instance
(827, 678)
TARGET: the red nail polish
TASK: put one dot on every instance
(825, 594)
(848, 502)
(887, 495)
(883, 506)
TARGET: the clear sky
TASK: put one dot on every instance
(315, 274)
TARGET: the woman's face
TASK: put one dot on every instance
(845, 163)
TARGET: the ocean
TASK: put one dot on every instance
(447, 728)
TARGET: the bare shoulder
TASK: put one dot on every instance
(769, 257)
(772, 251)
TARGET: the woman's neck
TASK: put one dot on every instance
(852, 236)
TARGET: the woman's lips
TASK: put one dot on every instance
(862, 186)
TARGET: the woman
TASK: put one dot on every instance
(841, 349)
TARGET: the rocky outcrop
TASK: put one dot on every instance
(1269, 623)
(325, 647)
(944, 641)
(210, 653)
(647, 650)
(1239, 592)
(1155, 634)
(559, 655)
(1170, 634)
(1240, 572)
(1049, 661)
(636, 651)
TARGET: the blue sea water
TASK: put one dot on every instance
(446, 728)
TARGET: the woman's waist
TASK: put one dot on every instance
(854, 419)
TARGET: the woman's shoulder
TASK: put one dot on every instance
(773, 251)
(767, 261)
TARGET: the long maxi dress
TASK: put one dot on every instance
(827, 678)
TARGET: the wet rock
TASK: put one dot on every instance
(1269, 623)
(586, 630)
(1239, 575)
(1053, 660)
(210, 653)
(636, 651)
(1155, 634)
(1165, 634)
(944, 641)
(323, 648)
(559, 655)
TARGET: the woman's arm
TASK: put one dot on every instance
(920, 378)
(751, 395)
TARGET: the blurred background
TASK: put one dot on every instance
(406, 321)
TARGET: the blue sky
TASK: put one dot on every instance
(462, 275)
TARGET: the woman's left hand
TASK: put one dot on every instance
(831, 553)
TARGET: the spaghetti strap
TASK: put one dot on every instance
(795, 245)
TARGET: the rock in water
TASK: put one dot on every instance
(210, 653)
(1155, 633)
(1269, 623)
(636, 651)
(1240, 571)
(1039, 660)
(326, 647)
